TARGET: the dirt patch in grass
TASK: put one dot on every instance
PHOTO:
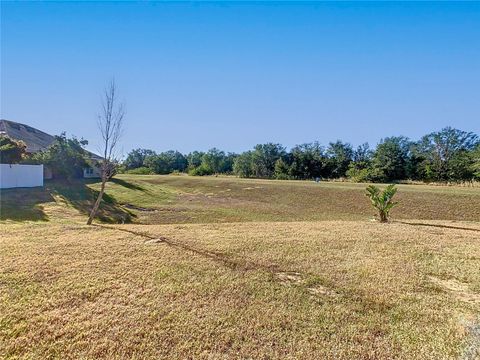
(459, 289)
(160, 240)
(289, 278)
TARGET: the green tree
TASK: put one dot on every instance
(227, 164)
(308, 161)
(11, 151)
(447, 154)
(475, 167)
(166, 162)
(214, 161)
(390, 159)
(359, 168)
(243, 165)
(217, 161)
(66, 157)
(363, 155)
(194, 159)
(282, 170)
(413, 166)
(339, 155)
(136, 158)
(264, 157)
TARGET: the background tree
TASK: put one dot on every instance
(264, 157)
(282, 170)
(136, 158)
(214, 160)
(110, 124)
(166, 162)
(339, 156)
(475, 167)
(194, 159)
(390, 159)
(11, 151)
(446, 154)
(228, 161)
(243, 165)
(359, 168)
(415, 161)
(308, 161)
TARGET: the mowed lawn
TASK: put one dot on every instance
(221, 268)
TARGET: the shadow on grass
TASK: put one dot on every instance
(81, 197)
(26, 203)
(127, 184)
(226, 260)
(439, 226)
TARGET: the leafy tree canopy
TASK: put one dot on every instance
(136, 158)
(11, 151)
(66, 157)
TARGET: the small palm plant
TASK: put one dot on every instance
(382, 200)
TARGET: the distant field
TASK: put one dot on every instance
(224, 268)
(181, 199)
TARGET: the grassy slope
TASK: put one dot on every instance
(263, 289)
(180, 199)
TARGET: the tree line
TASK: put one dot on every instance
(447, 155)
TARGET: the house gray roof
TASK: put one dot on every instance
(35, 139)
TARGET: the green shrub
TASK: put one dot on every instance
(382, 200)
(358, 175)
(201, 170)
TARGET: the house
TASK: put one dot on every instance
(37, 141)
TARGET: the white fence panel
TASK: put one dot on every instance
(15, 175)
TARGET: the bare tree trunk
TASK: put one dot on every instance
(110, 126)
(98, 201)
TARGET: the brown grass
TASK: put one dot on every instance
(225, 268)
(263, 290)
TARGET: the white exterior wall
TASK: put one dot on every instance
(15, 175)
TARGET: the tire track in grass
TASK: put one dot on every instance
(289, 278)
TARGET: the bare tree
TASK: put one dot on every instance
(110, 123)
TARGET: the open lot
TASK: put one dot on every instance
(154, 199)
(228, 268)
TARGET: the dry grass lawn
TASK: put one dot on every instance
(225, 279)
(333, 289)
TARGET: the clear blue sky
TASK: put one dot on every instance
(231, 75)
